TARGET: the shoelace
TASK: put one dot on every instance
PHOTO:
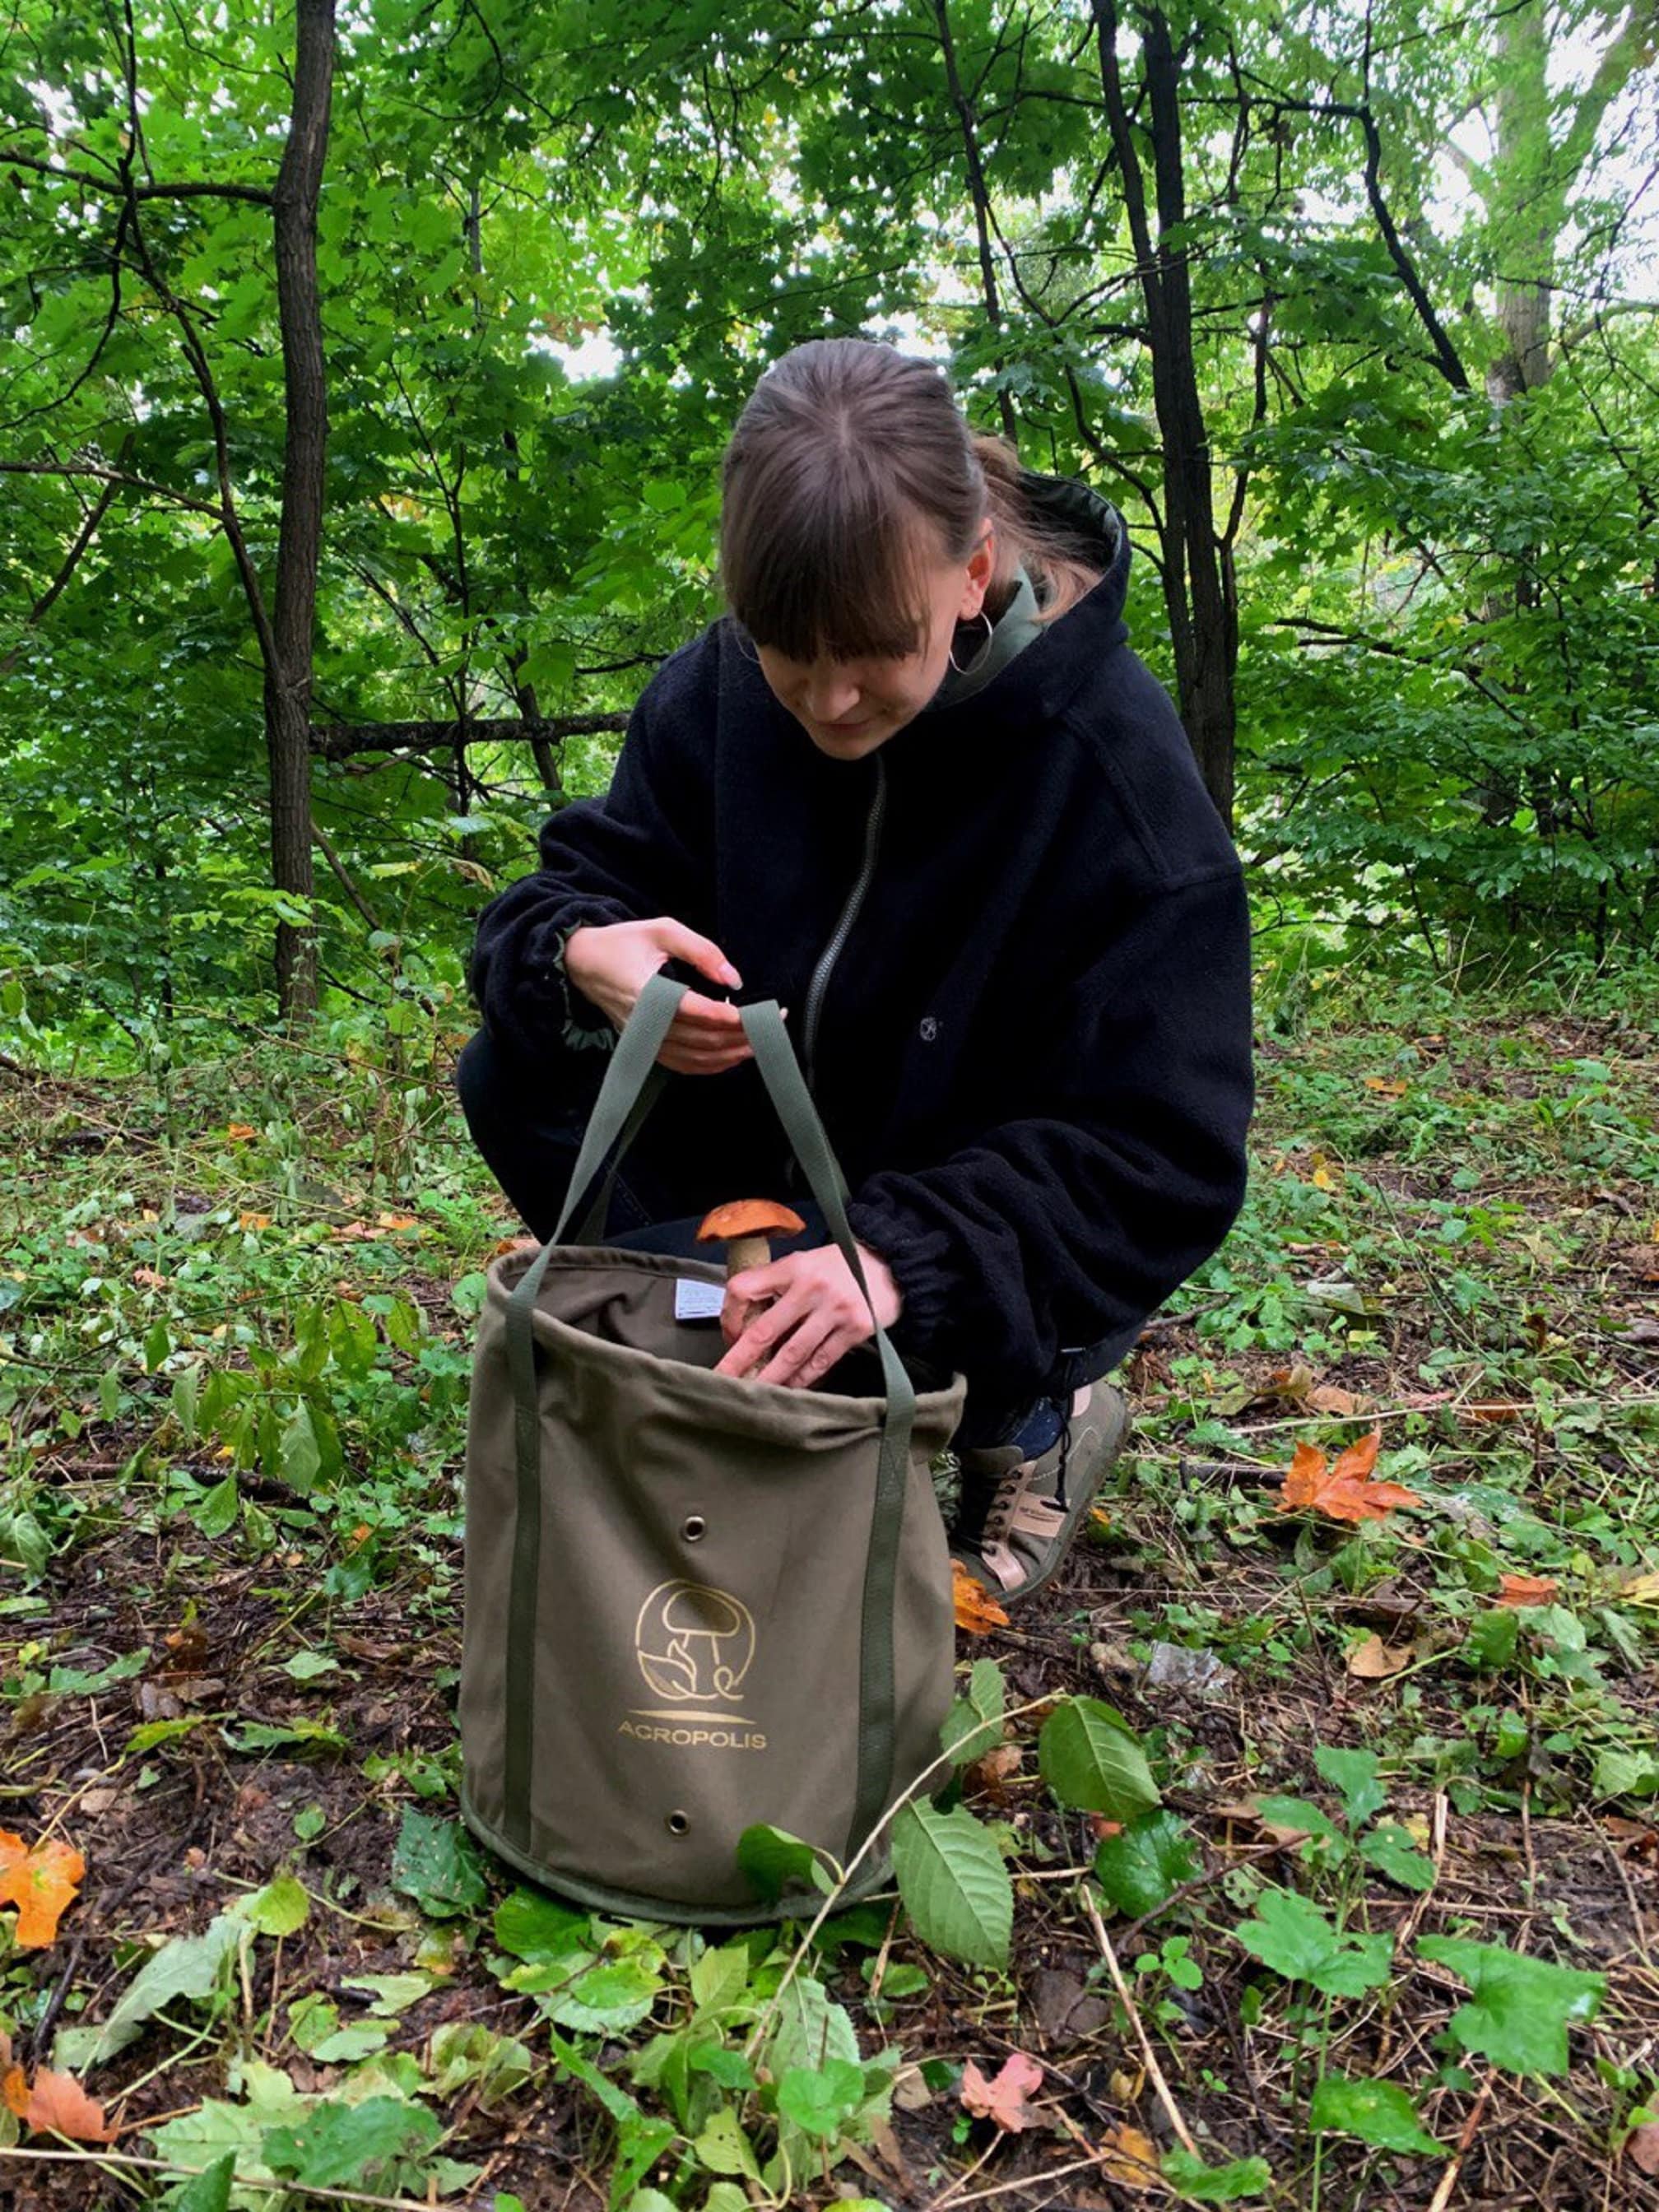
(1008, 1490)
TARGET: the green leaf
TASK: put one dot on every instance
(1626, 1774)
(1519, 2007)
(183, 1401)
(273, 1736)
(1390, 1849)
(392, 1993)
(187, 1967)
(277, 1909)
(1354, 1774)
(157, 1345)
(301, 1456)
(534, 1926)
(780, 1865)
(1091, 1760)
(209, 2191)
(1378, 2112)
(820, 2101)
(214, 1512)
(608, 1999)
(723, 2148)
(336, 2144)
(1194, 2183)
(720, 1980)
(954, 1883)
(436, 1862)
(808, 2029)
(306, 1666)
(1292, 1936)
(465, 2051)
(973, 1724)
(1298, 1813)
(1143, 1865)
(1493, 1638)
(75, 1681)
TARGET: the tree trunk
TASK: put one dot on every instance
(1203, 619)
(299, 545)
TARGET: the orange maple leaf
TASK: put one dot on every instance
(58, 2102)
(238, 1132)
(39, 1880)
(1524, 1590)
(1344, 1492)
(976, 1610)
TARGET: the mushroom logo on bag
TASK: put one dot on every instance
(695, 1645)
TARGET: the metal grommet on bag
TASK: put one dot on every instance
(694, 1528)
(678, 1823)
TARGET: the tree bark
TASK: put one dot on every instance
(299, 545)
(1203, 617)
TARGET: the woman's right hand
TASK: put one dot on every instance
(610, 964)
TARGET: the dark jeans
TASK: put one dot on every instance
(530, 1138)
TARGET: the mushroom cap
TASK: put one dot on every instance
(750, 1216)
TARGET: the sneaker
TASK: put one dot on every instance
(1018, 1515)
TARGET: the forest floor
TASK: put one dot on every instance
(236, 1303)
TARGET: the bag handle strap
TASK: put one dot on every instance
(633, 1082)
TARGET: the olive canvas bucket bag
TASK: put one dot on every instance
(694, 1602)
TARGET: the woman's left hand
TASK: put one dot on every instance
(791, 1321)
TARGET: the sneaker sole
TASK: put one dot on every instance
(1115, 1430)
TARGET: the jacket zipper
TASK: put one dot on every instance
(831, 951)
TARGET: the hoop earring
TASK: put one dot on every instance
(990, 632)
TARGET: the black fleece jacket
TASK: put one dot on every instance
(1014, 947)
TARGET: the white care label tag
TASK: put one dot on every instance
(695, 1301)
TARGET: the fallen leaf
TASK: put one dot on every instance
(976, 1611)
(998, 1766)
(1643, 2146)
(58, 2102)
(1494, 1409)
(1524, 1590)
(147, 1278)
(39, 1880)
(253, 1220)
(1330, 1399)
(239, 1131)
(1344, 1492)
(1003, 2100)
(1386, 1086)
(1374, 1661)
(1641, 1590)
(1130, 2158)
(14, 2091)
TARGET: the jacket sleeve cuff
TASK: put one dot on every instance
(917, 1252)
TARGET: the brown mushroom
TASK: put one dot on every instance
(745, 1227)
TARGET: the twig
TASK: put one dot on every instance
(1164, 2098)
(1442, 2195)
(238, 2180)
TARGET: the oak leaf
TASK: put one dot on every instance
(1524, 1590)
(1343, 1491)
(1374, 1661)
(1004, 2099)
(39, 1880)
(1129, 2157)
(58, 2102)
(976, 1610)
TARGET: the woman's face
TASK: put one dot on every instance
(848, 708)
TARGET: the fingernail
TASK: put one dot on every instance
(730, 975)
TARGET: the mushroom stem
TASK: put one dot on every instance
(743, 1252)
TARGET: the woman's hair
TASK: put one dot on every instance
(844, 447)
